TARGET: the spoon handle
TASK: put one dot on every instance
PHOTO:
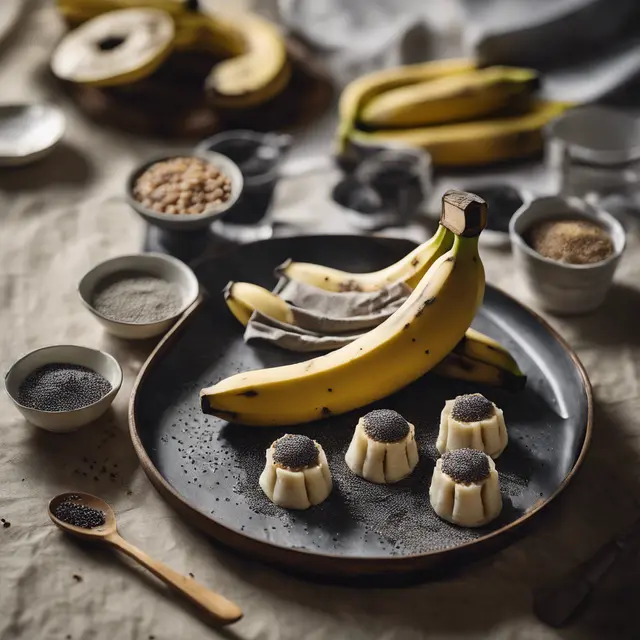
(222, 609)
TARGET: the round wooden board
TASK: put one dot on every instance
(207, 469)
(171, 103)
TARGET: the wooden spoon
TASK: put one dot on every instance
(224, 611)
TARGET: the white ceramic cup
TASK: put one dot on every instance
(558, 287)
(62, 421)
(188, 221)
(153, 264)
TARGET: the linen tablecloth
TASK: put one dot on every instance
(60, 217)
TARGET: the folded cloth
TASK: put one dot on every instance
(324, 320)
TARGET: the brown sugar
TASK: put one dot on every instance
(572, 241)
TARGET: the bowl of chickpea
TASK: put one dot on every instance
(184, 192)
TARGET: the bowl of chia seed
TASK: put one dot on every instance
(139, 296)
(63, 387)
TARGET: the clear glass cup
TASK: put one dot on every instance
(259, 157)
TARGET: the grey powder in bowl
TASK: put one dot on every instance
(136, 297)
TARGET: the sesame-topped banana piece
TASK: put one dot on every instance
(465, 488)
(383, 448)
(296, 474)
(472, 421)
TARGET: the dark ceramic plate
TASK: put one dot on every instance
(208, 469)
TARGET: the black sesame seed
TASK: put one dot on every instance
(472, 408)
(62, 387)
(295, 452)
(466, 466)
(385, 425)
(79, 515)
(6, 524)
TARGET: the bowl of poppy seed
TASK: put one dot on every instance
(63, 387)
(139, 296)
(184, 192)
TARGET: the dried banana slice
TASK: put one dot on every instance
(118, 47)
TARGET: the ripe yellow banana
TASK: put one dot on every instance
(358, 92)
(408, 344)
(255, 67)
(473, 143)
(408, 269)
(463, 96)
(243, 298)
(476, 358)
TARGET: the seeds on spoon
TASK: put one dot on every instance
(79, 515)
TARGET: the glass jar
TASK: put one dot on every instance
(596, 151)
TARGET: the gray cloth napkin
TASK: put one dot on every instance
(323, 320)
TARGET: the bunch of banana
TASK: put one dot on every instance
(254, 67)
(476, 358)
(411, 342)
(462, 115)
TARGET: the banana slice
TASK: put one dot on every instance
(472, 421)
(465, 488)
(115, 48)
(383, 448)
(296, 475)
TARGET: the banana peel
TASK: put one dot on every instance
(470, 144)
(254, 66)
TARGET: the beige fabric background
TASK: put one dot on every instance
(60, 217)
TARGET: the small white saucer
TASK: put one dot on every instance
(28, 132)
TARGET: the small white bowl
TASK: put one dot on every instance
(188, 221)
(63, 421)
(153, 264)
(29, 132)
(558, 287)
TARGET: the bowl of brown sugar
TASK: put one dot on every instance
(567, 252)
(184, 192)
